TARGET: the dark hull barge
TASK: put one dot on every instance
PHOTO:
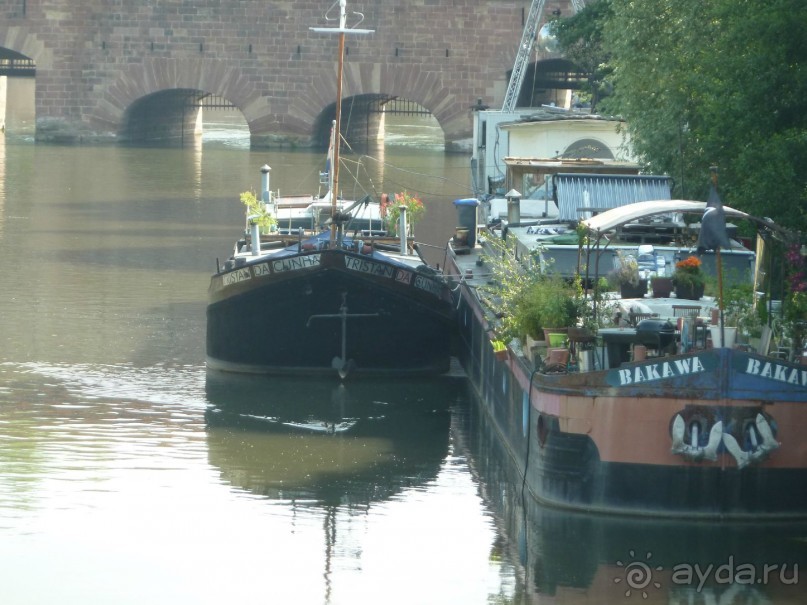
(312, 308)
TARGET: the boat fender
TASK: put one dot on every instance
(308, 246)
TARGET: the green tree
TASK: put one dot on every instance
(723, 83)
(581, 37)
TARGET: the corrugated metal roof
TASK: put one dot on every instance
(600, 192)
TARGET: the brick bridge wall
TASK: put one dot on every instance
(97, 59)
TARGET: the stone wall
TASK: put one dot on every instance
(96, 58)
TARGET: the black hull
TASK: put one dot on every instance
(289, 321)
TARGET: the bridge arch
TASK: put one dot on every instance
(165, 115)
(366, 83)
(158, 98)
(20, 53)
(24, 42)
(364, 117)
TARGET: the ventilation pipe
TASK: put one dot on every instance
(402, 230)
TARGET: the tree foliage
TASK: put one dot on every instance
(722, 82)
(581, 37)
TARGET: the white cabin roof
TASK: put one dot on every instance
(632, 212)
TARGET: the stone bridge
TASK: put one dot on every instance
(137, 69)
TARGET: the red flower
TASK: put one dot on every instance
(692, 263)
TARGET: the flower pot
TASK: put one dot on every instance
(628, 290)
(688, 292)
(662, 287)
(548, 332)
(501, 354)
(730, 335)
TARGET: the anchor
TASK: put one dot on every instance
(693, 451)
(758, 451)
(342, 364)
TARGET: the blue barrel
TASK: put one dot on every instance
(466, 217)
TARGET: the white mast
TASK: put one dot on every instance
(341, 30)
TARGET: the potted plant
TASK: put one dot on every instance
(529, 320)
(689, 278)
(414, 212)
(257, 212)
(662, 286)
(499, 349)
(550, 305)
(795, 322)
(626, 276)
(505, 291)
(739, 313)
(795, 304)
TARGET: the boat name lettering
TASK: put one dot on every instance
(364, 266)
(261, 270)
(296, 263)
(429, 285)
(658, 371)
(236, 276)
(403, 277)
(775, 371)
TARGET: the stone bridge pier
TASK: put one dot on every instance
(136, 70)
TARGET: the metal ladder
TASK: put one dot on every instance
(578, 5)
(523, 55)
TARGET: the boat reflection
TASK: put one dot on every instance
(323, 441)
(578, 558)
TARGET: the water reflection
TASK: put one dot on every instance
(324, 441)
(578, 558)
(218, 490)
(369, 467)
